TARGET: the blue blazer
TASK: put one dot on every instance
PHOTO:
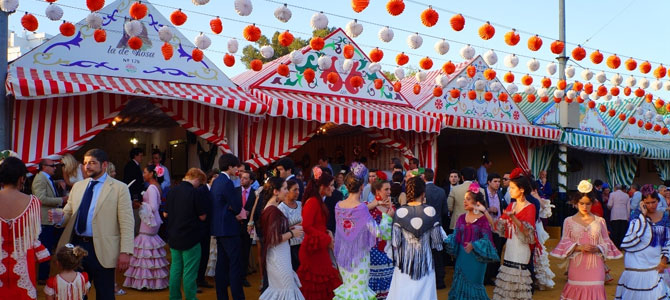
(227, 203)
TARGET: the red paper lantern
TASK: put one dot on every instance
(489, 74)
(596, 57)
(285, 38)
(94, 5)
(229, 60)
(648, 126)
(531, 98)
(578, 53)
(454, 93)
(426, 63)
(448, 68)
(395, 7)
(614, 91)
(178, 17)
(640, 123)
(256, 65)
(417, 89)
(317, 43)
(648, 98)
(488, 96)
(611, 112)
(630, 64)
(197, 55)
(613, 61)
(359, 5)
(378, 83)
(657, 127)
(602, 91)
(333, 77)
(588, 88)
(631, 120)
(376, 55)
(135, 43)
(471, 71)
(487, 31)
(508, 77)
(512, 38)
(100, 35)
(457, 22)
(627, 91)
(639, 92)
(557, 100)
(602, 108)
(660, 72)
(437, 91)
(517, 98)
(167, 51)
(401, 59)
(546, 82)
(429, 17)
(527, 80)
(561, 84)
(557, 47)
(397, 86)
(29, 22)
(645, 67)
(622, 116)
(283, 70)
(309, 75)
(356, 81)
(138, 11)
(664, 130)
(577, 86)
(67, 29)
(534, 43)
(472, 95)
(544, 99)
(591, 104)
(348, 51)
(251, 33)
(216, 25)
(580, 100)
(503, 97)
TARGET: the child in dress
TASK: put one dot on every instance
(68, 284)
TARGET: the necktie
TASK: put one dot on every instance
(84, 207)
(53, 184)
(244, 196)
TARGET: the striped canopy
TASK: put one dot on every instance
(600, 144)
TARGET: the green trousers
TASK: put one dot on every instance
(184, 269)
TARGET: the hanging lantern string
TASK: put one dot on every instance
(615, 17)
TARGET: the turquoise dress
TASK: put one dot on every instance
(468, 282)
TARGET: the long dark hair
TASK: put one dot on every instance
(523, 182)
(152, 170)
(272, 184)
(313, 185)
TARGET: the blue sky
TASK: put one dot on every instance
(635, 28)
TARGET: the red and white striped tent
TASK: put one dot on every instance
(70, 88)
(298, 108)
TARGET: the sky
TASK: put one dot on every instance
(636, 28)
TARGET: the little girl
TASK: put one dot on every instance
(68, 284)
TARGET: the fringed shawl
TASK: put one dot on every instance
(527, 217)
(356, 233)
(469, 232)
(411, 245)
(275, 224)
(25, 229)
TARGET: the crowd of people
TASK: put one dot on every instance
(357, 233)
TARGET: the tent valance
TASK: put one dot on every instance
(461, 122)
(600, 144)
(654, 149)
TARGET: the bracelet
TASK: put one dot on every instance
(251, 223)
(291, 232)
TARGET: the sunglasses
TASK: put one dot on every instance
(53, 165)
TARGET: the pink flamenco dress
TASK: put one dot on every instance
(586, 271)
(148, 265)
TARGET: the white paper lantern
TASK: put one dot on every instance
(601, 77)
(233, 45)
(374, 68)
(480, 85)
(297, 57)
(587, 74)
(656, 85)
(608, 97)
(630, 81)
(325, 62)
(542, 92)
(644, 83)
(551, 68)
(420, 76)
(571, 94)
(639, 111)
(200, 2)
(203, 42)
(618, 101)
(353, 28)
(53, 12)
(512, 88)
(165, 34)
(467, 52)
(385, 34)
(347, 65)
(441, 47)
(629, 107)
(462, 82)
(414, 41)
(648, 115)
(490, 57)
(584, 95)
(9, 5)
(570, 72)
(399, 73)
(616, 80)
(319, 21)
(666, 85)
(559, 93)
(511, 61)
(442, 80)
(659, 118)
(267, 52)
(530, 90)
(133, 28)
(94, 21)
(243, 7)
(283, 13)
(533, 65)
(495, 87)
(666, 121)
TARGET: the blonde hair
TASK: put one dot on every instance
(195, 173)
(70, 165)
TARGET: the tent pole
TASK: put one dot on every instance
(5, 123)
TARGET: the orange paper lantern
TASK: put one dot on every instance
(611, 112)
(591, 104)
(639, 92)
(517, 98)
(508, 77)
(309, 75)
(557, 100)
(512, 38)
(256, 65)
(94, 5)
(660, 72)
(448, 68)
(596, 57)
(251, 33)
(283, 70)
(395, 7)
(645, 67)
(216, 25)
(631, 120)
(472, 95)
(487, 31)
(561, 84)
(580, 100)
(333, 77)
(416, 89)
(602, 91)
(285, 38)
(648, 97)
(376, 55)
(138, 11)
(348, 51)
(457, 22)
(503, 97)
(356, 81)
(544, 99)
(378, 83)
(359, 5)
(577, 86)
(659, 103)
(622, 117)
(630, 64)
(401, 59)
(488, 96)
(546, 82)
(657, 127)
(197, 55)
(588, 88)
(67, 29)
(578, 53)
(429, 17)
(135, 43)
(29, 22)
(437, 91)
(613, 61)
(167, 51)
(397, 86)
(664, 130)
(648, 126)
(471, 71)
(640, 123)
(426, 63)
(534, 43)
(557, 47)
(531, 98)
(454, 93)
(627, 91)
(229, 60)
(614, 91)
(100, 35)
(527, 80)
(317, 43)
(178, 17)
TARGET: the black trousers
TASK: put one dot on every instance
(619, 228)
(205, 243)
(245, 248)
(295, 260)
(438, 261)
(228, 268)
(102, 278)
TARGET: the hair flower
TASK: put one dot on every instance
(585, 187)
(160, 171)
(474, 187)
(316, 171)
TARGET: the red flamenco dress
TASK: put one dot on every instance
(20, 251)
(317, 275)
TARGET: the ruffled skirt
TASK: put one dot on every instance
(148, 266)
(468, 282)
(211, 262)
(513, 282)
(641, 285)
(355, 282)
(283, 283)
(381, 272)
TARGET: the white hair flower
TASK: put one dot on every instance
(585, 187)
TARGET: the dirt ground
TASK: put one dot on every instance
(252, 292)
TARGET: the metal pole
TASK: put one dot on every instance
(5, 122)
(561, 35)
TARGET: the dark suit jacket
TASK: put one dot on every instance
(501, 197)
(437, 198)
(330, 204)
(251, 198)
(131, 172)
(225, 206)
(204, 197)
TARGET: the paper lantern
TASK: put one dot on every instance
(283, 13)
(591, 104)
(216, 25)
(487, 31)
(267, 52)
(622, 117)
(488, 96)
(664, 130)
(596, 57)
(135, 43)
(29, 22)
(542, 92)
(324, 62)
(378, 83)
(471, 71)
(531, 98)
(285, 38)
(441, 47)
(67, 29)
(94, 20)
(426, 63)
(659, 103)
(448, 68)
(577, 86)
(601, 91)
(480, 85)
(512, 88)
(639, 92)
(133, 28)
(243, 7)
(95, 5)
(165, 34)
(489, 74)
(333, 77)
(551, 68)
(601, 77)
(414, 41)
(578, 53)
(401, 59)
(534, 43)
(53, 12)
(544, 99)
(356, 81)
(527, 80)
(627, 91)
(416, 89)
(348, 51)
(630, 64)
(457, 22)
(645, 67)
(517, 98)
(347, 65)
(511, 61)
(251, 33)
(508, 77)
(587, 74)
(512, 38)
(640, 123)
(616, 80)
(316, 43)
(643, 83)
(100, 35)
(588, 88)
(397, 86)
(138, 11)
(533, 65)
(199, 2)
(359, 5)
(611, 112)
(660, 71)
(420, 76)
(569, 71)
(395, 7)
(557, 47)
(648, 97)
(178, 17)
(376, 55)
(546, 82)
(297, 57)
(613, 61)
(561, 84)
(437, 91)
(614, 91)
(429, 17)
(399, 73)
(229, 60)
(167, 50)
(472, 95)
(467, 52)
(10, 6)
(309, 75)
(256, 65)
(648, 126)
(232, 45)
(385, 34)
(202, 41)
(490, 57)
(503, 97)
(197, 55)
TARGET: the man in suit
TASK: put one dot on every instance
(436, 198)
(457, 195)
(45, 189)
(496, 204)
(226, 228)
(133, 171)
(248, 195)
(204, 199)
(99, 218)
(285, 168)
